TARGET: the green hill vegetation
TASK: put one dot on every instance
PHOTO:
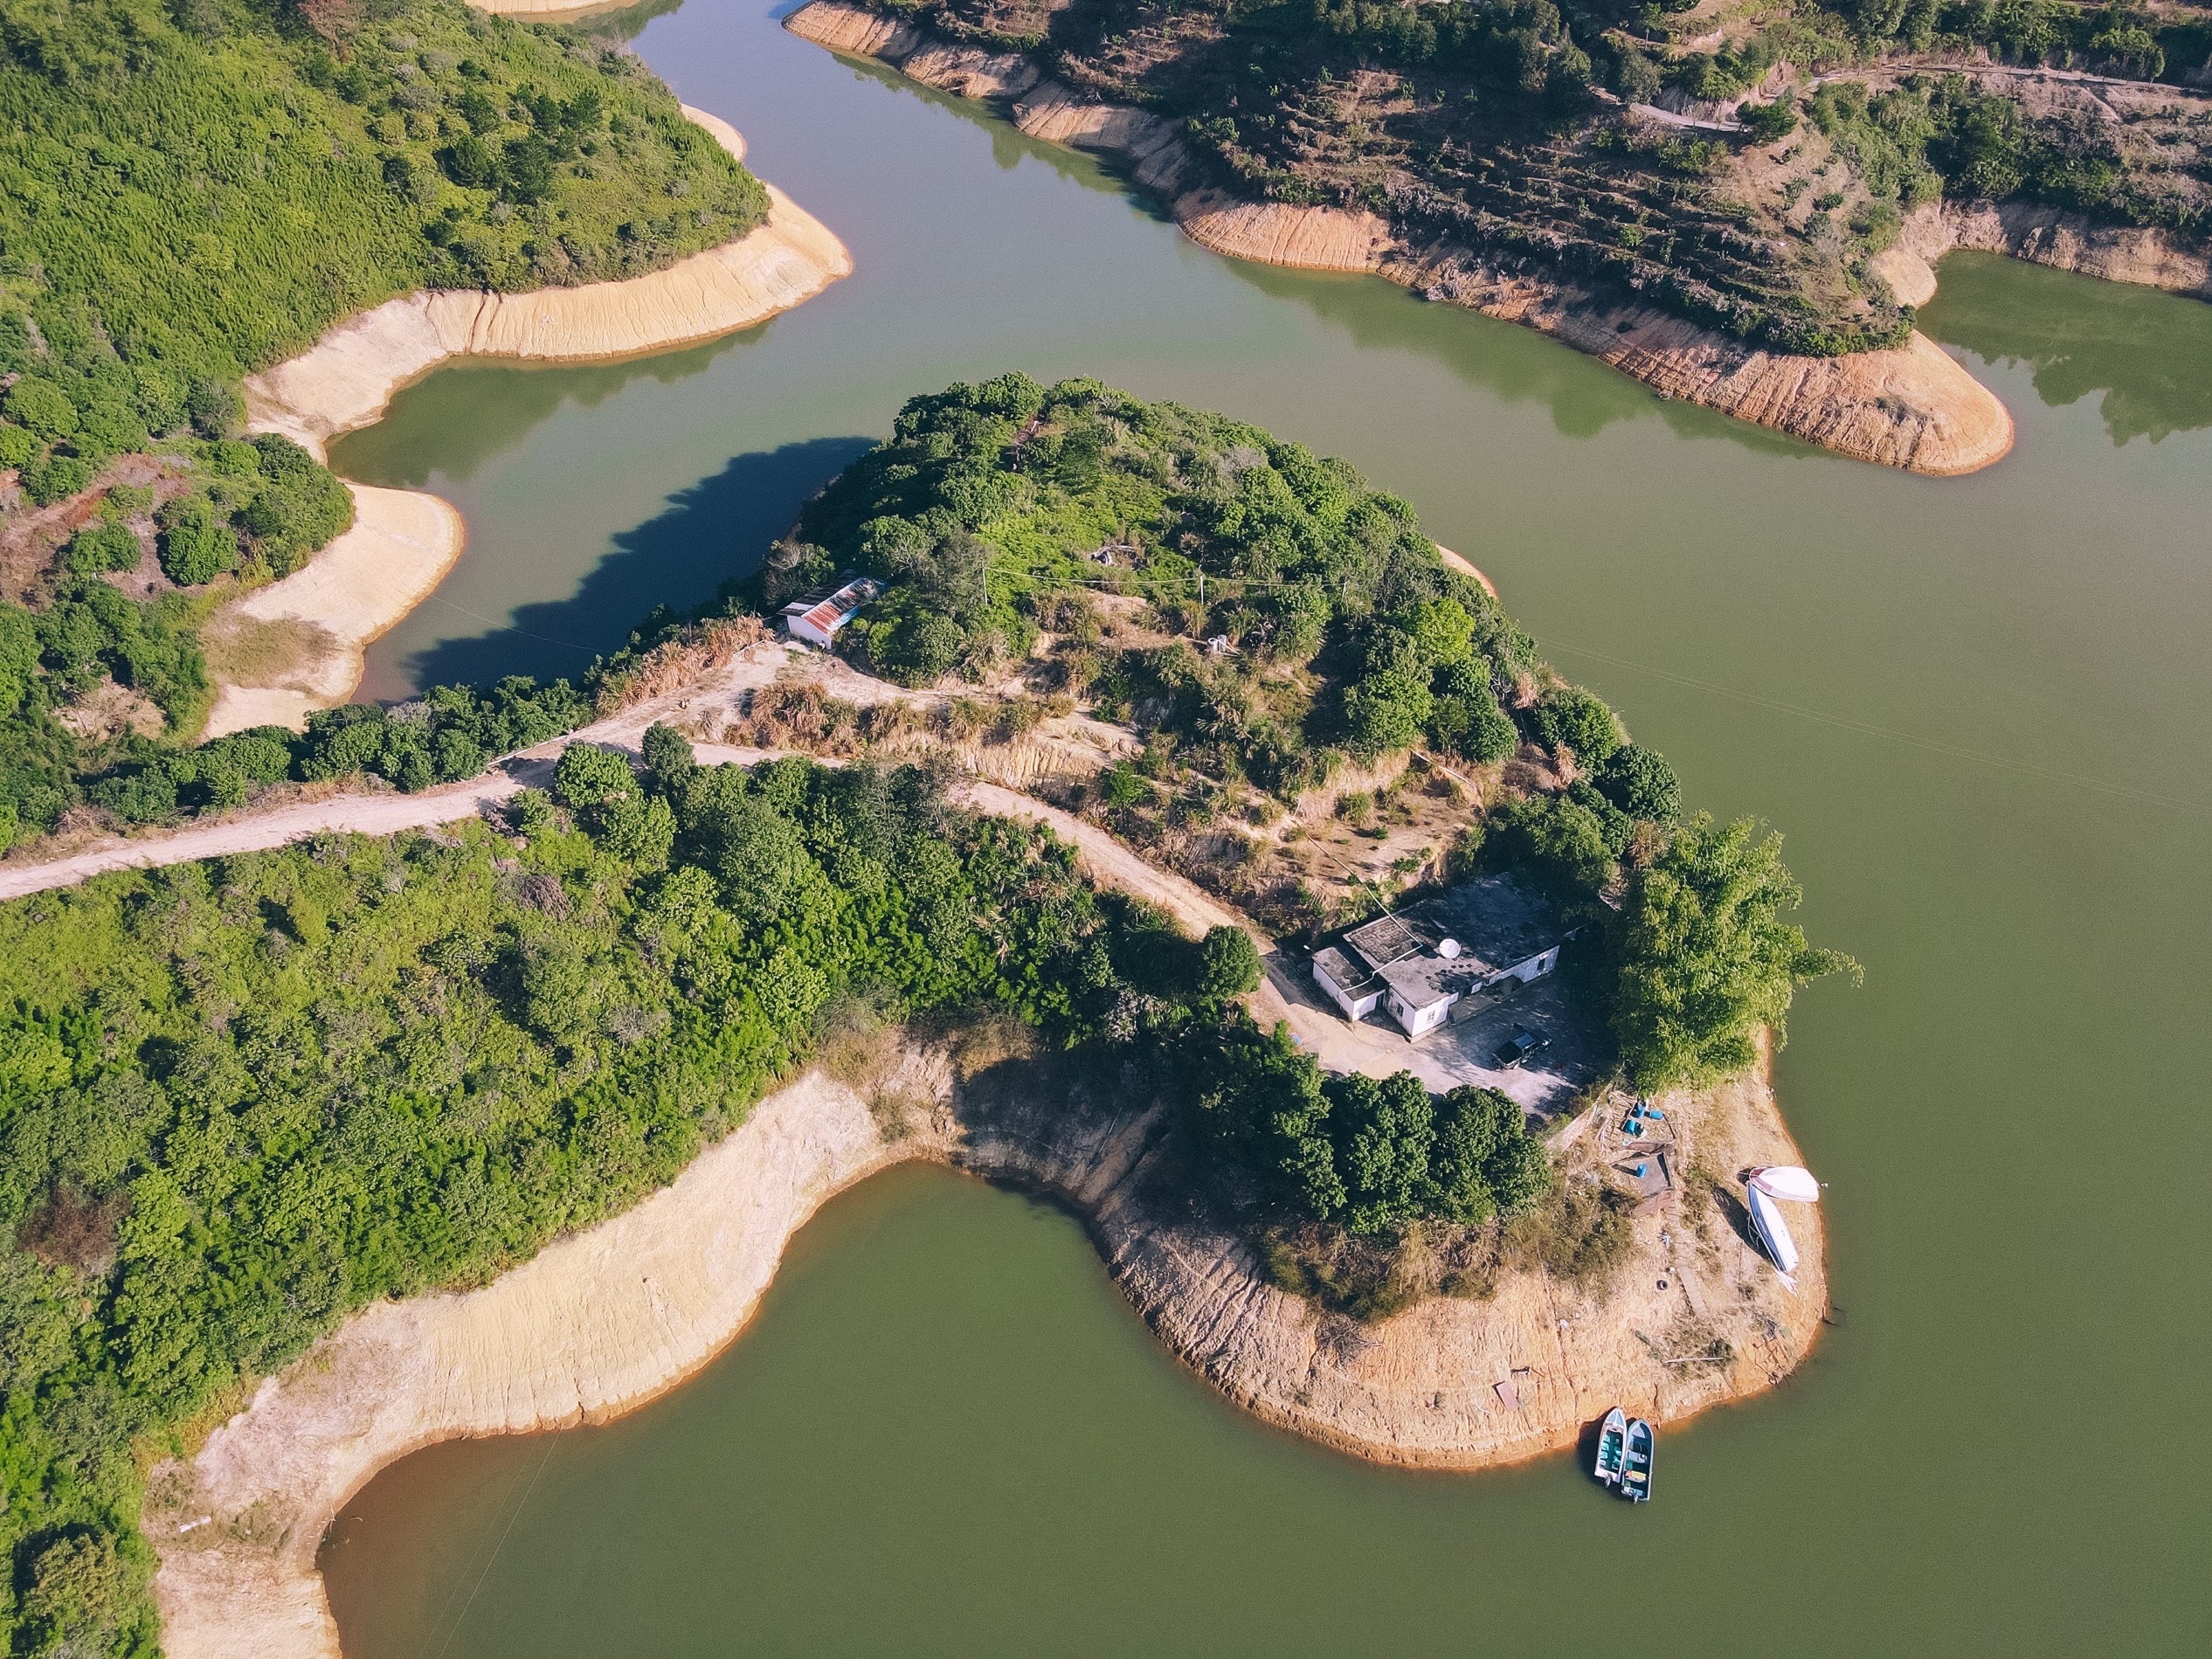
(239, 1099)
(1272, 617)
(1501, 127)
(1267, 617)
(243, 1098)
(192, 191)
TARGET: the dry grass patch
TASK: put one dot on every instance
(252, 650)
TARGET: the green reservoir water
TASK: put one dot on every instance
(1982, 708)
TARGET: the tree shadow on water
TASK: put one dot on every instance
(709, 533)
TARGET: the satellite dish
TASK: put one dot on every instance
(1449, 949)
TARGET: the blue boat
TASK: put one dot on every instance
(1635, 1463)
(1613, 1439)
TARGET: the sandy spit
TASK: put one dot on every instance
(602, 1321)
(1913, 407)
(402, 543)
(405, 541)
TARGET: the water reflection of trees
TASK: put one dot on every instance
(2149, 353)
(706, 534)
(469, 411)
(1514, 364)
(613, 21)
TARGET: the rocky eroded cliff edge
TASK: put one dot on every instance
(1913, 407)
(604, 1321)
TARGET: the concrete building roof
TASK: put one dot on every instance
(1498, 921)
(1350, 975)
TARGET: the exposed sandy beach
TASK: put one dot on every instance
(403, 543)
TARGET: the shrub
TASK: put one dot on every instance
(1769, 121)
(1467, 720)
(1562, 843)
(196, 546)
(1641, 782)
(299, 507)
(1570, 718)
(55, 478)
(1228, 964)
(588, 776)
(1386, 706)
(40, 407)
(101, 549)
(469, 162)
(17, 446)
(214, 407)
(18, 655)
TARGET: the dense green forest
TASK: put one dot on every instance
(1340, 627)
(192, 191)
(1500, 127)
(242, 1098)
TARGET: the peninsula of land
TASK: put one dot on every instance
(318, 622)
(1671, 239)
(605, 1322)
(1045, 893)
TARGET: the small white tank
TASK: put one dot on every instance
(1449, 949)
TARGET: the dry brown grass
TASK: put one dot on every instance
(674, 664)
(250, 651)
(67, 1229)
(1368, 1280)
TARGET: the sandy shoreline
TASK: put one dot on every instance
(600, 1323)
(1913, 407)
(403, 543)
(604, 1321)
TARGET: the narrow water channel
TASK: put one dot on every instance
(1982, 709)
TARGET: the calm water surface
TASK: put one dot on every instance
(1982, 708)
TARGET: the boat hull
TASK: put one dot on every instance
(1774, 1232)
(1637, 1461)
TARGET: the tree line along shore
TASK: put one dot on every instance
(195, 193)
(1739, 205)
(246, 1097)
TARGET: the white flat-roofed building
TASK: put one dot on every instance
(1461, 944)
(817, 618)
(1350, 983)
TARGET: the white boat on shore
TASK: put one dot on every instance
(1787, 1181)
(1773, 1232)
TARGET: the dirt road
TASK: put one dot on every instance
(1338, 1045)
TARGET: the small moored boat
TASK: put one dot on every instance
(1636, 1462)
(1766, 1221)
(1613, 1437)
(1787, 1181)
